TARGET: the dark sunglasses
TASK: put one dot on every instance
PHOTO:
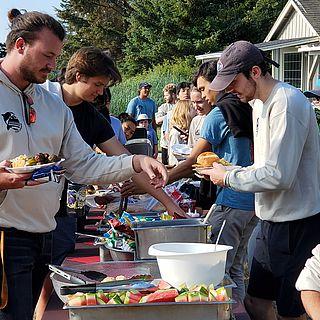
(29, 111)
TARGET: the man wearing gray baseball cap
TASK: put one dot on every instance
(285, 178)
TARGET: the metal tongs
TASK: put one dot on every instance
(120, 285)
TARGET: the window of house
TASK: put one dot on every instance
(292, 68)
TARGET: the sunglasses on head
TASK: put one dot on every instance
(29, 111)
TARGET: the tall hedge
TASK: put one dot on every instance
(176, 71)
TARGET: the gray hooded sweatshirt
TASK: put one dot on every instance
(33, 209)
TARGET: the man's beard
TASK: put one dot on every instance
(29, 75)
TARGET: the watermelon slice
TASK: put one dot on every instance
(100, 301)
(222, 294)
(91, 299)
(183, 297)
(132, 297)
(102, 296)
(201, 288)
(168, 295)
(115, 300)
(77, 301)
(203, 296)
(219, 294)
(183, 288)
(163, 285)
(193, 297)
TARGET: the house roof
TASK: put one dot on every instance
(308, 9)
(266, 46)
(311, 10)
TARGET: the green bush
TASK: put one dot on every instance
(176, 71)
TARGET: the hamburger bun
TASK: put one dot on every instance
(206, 159)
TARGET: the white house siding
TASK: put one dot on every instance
(296, 27)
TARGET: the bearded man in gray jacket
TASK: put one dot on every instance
(32, 121)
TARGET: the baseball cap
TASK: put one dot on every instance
(237, 57)
(312, 94)
(143, 116)
(144, 85)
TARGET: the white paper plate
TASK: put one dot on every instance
(181, 149)
(227, 168)
(30, 169)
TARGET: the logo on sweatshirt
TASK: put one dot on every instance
(12, 121)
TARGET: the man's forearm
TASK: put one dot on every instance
(142, 182)
(182, 170)
(311, 302)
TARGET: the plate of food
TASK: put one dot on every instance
(205, 161)
(28, 164)
(181, 149)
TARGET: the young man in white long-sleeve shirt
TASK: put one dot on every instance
(285, 178)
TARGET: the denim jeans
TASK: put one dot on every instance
(26, 255)
(236, 233)
(63, 238)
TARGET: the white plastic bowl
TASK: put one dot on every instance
(190, 263)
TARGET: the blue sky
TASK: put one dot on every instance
(46, 6)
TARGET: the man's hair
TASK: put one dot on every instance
(264, 66)
(170, 88)
(92, 62)
(194, 89)
(28, 24)
(208, 70)
(182, 85)
(124, 117)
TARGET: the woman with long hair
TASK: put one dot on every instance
(180, 120)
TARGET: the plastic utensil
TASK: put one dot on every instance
(209, 214)
(219, 234)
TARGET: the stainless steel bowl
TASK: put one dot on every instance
(151, 232)
(119, 255)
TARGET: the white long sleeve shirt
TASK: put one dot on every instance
(286, 172)
(309, 278)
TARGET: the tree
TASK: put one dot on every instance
(143, 33)
(162, 29)
(97, 23)
(3, 50)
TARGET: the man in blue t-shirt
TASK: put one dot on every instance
(229, 135)
(142, 104)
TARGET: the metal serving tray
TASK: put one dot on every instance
(149, 311)
(151, 232)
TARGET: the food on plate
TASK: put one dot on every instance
(206, 159)
(38, 159)
(90, 189)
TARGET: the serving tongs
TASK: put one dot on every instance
(90, 274)
(111, 286)
(72, 278)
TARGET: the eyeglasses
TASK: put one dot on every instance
(29, 111)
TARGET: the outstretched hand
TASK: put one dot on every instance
(153, 168)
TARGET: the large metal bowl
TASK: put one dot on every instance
(116, 254)
(152, 232)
